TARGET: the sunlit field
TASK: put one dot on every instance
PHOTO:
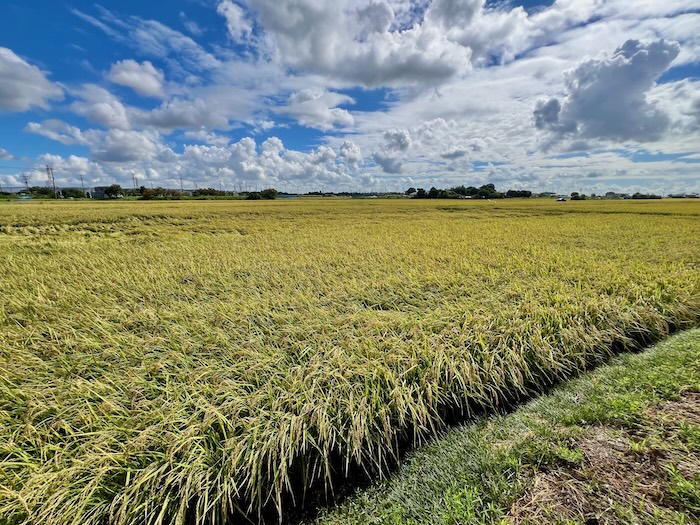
(186, 362)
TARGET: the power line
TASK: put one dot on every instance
(17, 168)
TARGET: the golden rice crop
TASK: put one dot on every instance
(186, 362)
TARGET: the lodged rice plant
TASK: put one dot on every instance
(200, 362)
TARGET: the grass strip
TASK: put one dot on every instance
(620, 444)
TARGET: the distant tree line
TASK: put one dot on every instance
(268, 194)
(163, 193)
(487, 191)
(645, 196)
(44, 192)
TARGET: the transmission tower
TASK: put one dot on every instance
(52, 180)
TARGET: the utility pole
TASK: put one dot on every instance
(135, 181)
(52, 180)
(25, 178)
(182, 189)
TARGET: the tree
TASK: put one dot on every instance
(421, 194)
(518, 194)
(269, 194)
(410, 191)
(208, 192)
(72, 193)
(114, 191)
(486, 191)
(41, 191)
(150, 193)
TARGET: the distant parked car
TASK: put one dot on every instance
(561, 199)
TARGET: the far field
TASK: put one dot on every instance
(185, 362)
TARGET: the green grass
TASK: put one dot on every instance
(483, 472)
(181, 362)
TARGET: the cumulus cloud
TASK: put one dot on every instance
(376, 17)
(143, 78)
(607, 98)
(202, 135)
(456, 153)
(449, 13)
(182, 114)
(547, 116)
(272, 146)
(118, 145)
(271, 163)
(24, 85)
(696, 109)
(397, 139)
(388, 163)
(350, 152)
(59, 131)
(317, 108)
(113, 145)
(338, 39)
(73, 167)
(101, 107)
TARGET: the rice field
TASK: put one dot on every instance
(195, 362)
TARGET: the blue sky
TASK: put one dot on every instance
(353, 94)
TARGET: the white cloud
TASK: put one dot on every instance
(607, 98)
(24, 85)
(59, 131)
(182, 114)
(143, 78)
(454, 154)
(376, 17)
(6, 155)
(101, 107)
(389, 164)
(202, 135)
(191, 25)
(350, 152)
(127, 146)
(353, 43)
(239, 26)
(270, 164)
(450, 13)
(397, 139)
(317, 108)
(154, 39)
